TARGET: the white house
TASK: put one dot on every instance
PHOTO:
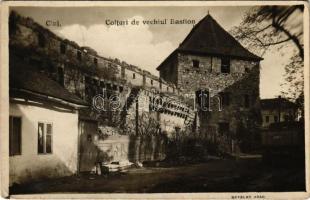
(43, 128)
(277, 110)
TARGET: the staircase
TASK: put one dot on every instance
(131, 99)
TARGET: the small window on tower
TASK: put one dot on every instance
(225, 65)
(133, 76)
(151, 82)
(196, 63)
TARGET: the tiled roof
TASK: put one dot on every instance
(39, 83)
(208, 37)
(276, 102)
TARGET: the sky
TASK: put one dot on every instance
(147, 46)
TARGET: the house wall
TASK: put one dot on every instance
(275, 112)
(62, 161)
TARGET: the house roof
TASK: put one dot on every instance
(208, 37)
(275, 103)
(40, 84)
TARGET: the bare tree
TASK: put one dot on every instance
(267, 26)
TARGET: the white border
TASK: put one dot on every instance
(4, 105)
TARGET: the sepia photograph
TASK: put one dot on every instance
(157, 99)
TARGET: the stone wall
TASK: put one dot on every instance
(39, 42)
(208, 75)
(241, 83)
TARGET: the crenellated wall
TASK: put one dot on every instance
(82, 71)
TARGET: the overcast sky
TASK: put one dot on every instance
(148, 45)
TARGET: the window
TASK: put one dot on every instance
(79, 55)
(15, 131)
(133, 76)
(202, 99)
(246, 70)
(275, 118)
(63, 48)
(151, 82)
(225, 96)
(223, 128)
(225, 65)
(196, 63)
(267, 119)
(45, 138)
(246, 101)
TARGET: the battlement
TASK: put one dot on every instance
(36, 37)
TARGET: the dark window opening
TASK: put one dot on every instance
(246, 101)
(151, 82)
(133, 76)
(96, 61)
(223, 128)
(225, 65)
(89, 137)
(63, 48)
(246, 70)
(196, 63)
(267, 119)
(79, 55)
(121, 89)
(275, 118)
(15, 131)
(202, 99)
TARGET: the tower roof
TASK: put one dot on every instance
(208, 37)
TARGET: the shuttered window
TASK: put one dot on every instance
(15, 126)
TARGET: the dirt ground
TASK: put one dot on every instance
(225, 175)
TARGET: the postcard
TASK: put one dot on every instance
(155, 100)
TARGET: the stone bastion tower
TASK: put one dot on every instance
(210, 62)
